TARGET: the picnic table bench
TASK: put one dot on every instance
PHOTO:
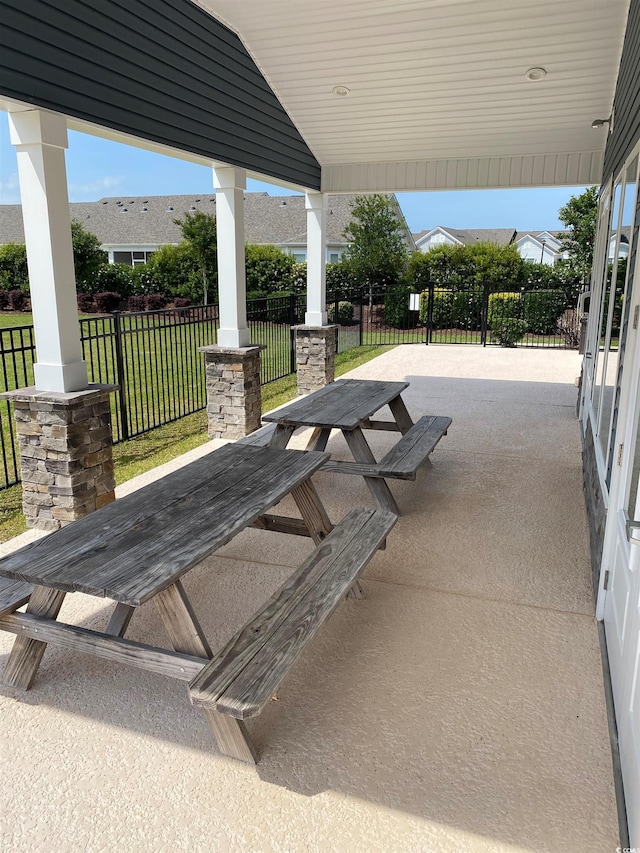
(348, 405)
(138, 548)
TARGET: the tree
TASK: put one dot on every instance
(88, 257)
(200, 232)
(580, 215)
(377, 253)
(13, 267)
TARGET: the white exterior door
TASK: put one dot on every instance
(619, 603)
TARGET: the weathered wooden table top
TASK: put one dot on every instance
(137, 546)
(343, 404)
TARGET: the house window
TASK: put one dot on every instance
(300, 257)
(132, 259)
(334, 257)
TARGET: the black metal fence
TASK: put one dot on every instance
(486, 314)
(154, 357)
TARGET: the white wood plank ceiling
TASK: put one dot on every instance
(438, 95)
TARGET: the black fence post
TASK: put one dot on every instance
(293, 304)
(431, 297)
(361, 317)
(484, 316)
(121, 376)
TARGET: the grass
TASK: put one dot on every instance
(154, 448)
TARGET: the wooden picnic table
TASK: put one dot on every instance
(348, 405)
(138, 548)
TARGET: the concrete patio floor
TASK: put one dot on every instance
(459, 707)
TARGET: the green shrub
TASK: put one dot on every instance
(454, 309)
(341, 278)
(542, 310)
(268, 269)
(344, 314)
(396, 308)
(507, 331)
(13, 267)
(505, 306)
(114, 278)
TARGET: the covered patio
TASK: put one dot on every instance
(458, 707)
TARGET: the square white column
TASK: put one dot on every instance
(40, 139)
(316, 206)
(229, 184)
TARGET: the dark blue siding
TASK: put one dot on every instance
(163, 70)
(626, 127)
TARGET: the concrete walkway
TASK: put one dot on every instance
(459, 707)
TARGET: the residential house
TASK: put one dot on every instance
(539, 246)
(130, 228)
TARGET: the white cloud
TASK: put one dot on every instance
(107, 184)
(10, 190)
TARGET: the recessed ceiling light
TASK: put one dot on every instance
(536, 74)
(341, 91)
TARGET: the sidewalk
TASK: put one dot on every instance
(459, 707)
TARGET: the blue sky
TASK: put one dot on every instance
(97, 167)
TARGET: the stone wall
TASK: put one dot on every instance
(66, 461)
(315, 356)
(234, 396)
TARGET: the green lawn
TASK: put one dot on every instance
(160, 445)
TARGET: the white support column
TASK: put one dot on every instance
(229, 184)
(316, 205)
(40, 139)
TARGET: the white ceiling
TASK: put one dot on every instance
(438, 93)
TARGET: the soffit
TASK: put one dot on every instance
(438, 82)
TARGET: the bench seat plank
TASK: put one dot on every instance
(404, 459)
(13, 594)
(240, 680)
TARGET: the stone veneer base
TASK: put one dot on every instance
(315, 356)
(234, 396)
(66, 460)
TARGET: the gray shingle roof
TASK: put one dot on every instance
(148, 220)
(468, 236)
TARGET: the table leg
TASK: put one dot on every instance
(319, 439)
(362, 453)
(312, 511)
(181, 622)
(120, 619)
(26, 655)
(400, 413)
(281, 436)
(231, 736)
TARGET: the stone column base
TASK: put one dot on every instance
(315, 356)
(234, 397)
(66, 460)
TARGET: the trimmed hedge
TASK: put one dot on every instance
(107, 302)
(17, 300)
(542, 310)
(396, 308)
(85, 303)
(344, 314)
